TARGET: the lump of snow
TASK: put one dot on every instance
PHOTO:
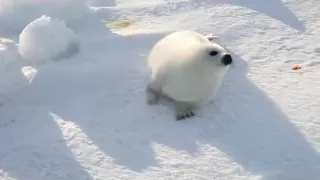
(47, 39)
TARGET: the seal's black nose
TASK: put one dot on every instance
(226, 59)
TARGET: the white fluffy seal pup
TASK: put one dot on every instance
(188, 68)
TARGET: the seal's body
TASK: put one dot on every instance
(188, 68)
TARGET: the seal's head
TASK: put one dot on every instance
(217, 55)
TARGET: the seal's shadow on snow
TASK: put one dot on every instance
(272, 8)
(252, 130)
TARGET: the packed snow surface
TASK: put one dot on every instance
(47, 39)
(85, 117)
(10, 63)
(16, 14)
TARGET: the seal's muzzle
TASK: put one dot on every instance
(226, 59)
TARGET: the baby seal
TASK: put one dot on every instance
(188, 68)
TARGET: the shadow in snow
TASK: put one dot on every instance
(252, 130)
(101, 3)
(272, 8)
(32, 146)
(106, 100)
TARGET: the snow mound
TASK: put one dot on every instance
(47, 39)
(16, 14)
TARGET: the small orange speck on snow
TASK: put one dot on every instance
(296, 67)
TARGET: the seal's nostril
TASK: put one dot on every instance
(227, 59)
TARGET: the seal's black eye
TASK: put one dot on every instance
(213, 53)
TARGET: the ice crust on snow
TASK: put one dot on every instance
(47, 39)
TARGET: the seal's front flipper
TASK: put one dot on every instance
(152, 95)
(185, 115)
(184, 111)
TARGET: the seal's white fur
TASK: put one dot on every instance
(182, 69)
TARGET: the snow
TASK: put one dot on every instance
(47, 39)
(16, 14)
(10, 64)
(85, 117)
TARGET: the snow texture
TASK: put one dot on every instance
(10, 64)
(16, 14)
(85, 117)
(47, 39)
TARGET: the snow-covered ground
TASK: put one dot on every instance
(83, 116)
